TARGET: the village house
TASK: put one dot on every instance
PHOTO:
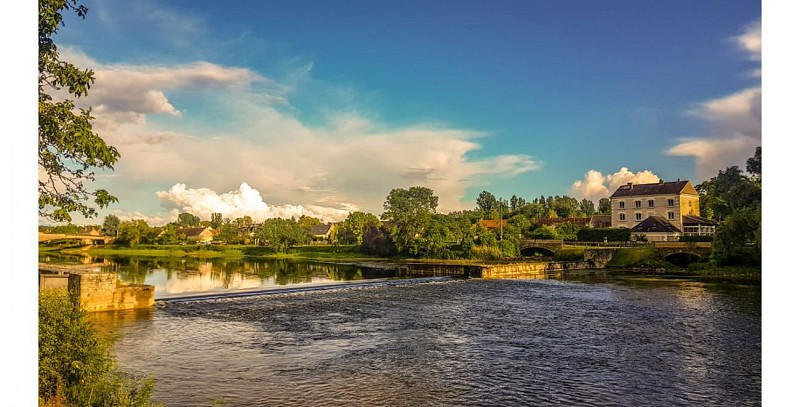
(662, 211)
(323, 233)
(197, 234)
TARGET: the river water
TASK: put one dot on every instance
(592, 340)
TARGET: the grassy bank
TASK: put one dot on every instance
(319, 253)
(644, 261)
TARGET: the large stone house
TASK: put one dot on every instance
(674, 207)
(197, 234)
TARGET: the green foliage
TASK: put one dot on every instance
(486, 202)
(281, 234)
(216, 220)
(352, 229)
(544, 232)
(187, 220)
(229, 232)
(69, 151)
(110, 225)
(409, 212)
(696, 238)
(735, 200)
(569, 255)
(629, 257)
(134, 232)
(586, 207)
(567, 231)
(604, 206)
(66, 229)
(601, 234)
(377, 241)
(75, 363)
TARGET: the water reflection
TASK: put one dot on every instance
(472, 342)
(181, 276)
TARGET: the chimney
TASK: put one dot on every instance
(660, 181)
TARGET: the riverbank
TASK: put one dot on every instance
(624, 261)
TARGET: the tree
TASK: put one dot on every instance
(187, 219)
(352, 229)
(133, 232)
(409, 212)
(110, 225)
(216, 220)
(586, 207)
(604, 206)
(486, 202)
(754, 165)
(69, 151)
(76, 366)
(282, 234)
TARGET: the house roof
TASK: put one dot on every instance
(492, 223)
(319, 230)
(690, 220)
(655, 224)
(189, 232)
(658, 188)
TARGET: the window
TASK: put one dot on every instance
(637, 204)
(621, 204)
(638, 216)
(622, 216)
(670, 215)
(670, 202)
(651, 203)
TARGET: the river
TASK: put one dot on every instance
(590, 340)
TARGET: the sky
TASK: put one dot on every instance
(280, 109)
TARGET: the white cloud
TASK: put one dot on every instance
(750, 40)
(245, 201)
(735, 120)
(352, 160)
(595, 185)
(736, 132)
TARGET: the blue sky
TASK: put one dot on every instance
(319, 108)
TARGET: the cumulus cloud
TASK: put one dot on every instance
(595, 185)
(350, 160)
(244, 201)
(735, 120)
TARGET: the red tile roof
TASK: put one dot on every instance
(492, 223)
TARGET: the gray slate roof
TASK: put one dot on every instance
(658, 188)
(655, 224)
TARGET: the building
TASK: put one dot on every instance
(323, 233)
(197, 234)
(677, 203)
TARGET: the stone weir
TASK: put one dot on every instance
(96, 291)
(592, 259)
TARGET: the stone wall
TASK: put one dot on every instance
(531, 269)
(48, 281)
(100, 292)
(598, 258)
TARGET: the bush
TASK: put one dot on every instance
(696, 238)
(601, 234)
(75, 363)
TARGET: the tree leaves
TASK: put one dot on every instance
(69, 151)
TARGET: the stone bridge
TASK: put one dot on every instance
(695, 250)
(86, 239)
(529, 247)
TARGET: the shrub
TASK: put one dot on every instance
(76, 367)
(600, 234)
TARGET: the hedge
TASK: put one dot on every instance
(602, 234)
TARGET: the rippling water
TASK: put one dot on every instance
(462, 342)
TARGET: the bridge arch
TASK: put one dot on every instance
(682, 259)
(532, 251)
